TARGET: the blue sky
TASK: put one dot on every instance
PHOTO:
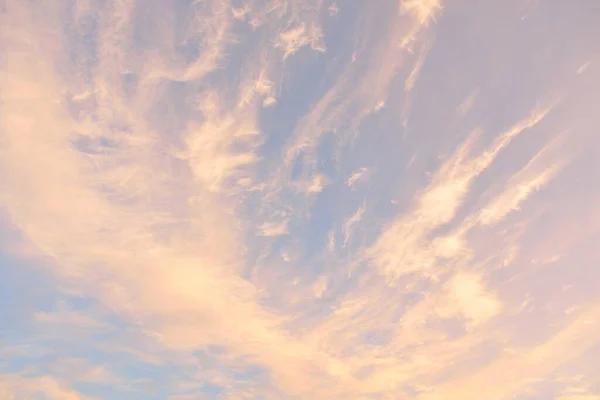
(293, 199)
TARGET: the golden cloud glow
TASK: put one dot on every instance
(295, 199)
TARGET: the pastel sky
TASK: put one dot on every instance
(300, 199)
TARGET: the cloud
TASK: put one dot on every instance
(357, 176)
(175, 210)
(583, 67)
(317, 184)
(354, 95)
(411, 81)
(72, 319)
(320, 286)
(80, 370)
(422, 10)
(471, 299)
(103, 222)
(468, 103)
(210, 146)
(351, 222)
(295, 38)
(14, 387)
(511, 372)
(144, 151)
(403, 247)
(518, 189)
(274, 228)
(578, 394)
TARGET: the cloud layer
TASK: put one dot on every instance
(289, 199)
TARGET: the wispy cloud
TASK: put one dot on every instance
(357, 177)
(274, 228)
(13, 387)
(202, 193)
(405, 246)
(530, 179)
(468, 103)
(350, 224)
(295, 38)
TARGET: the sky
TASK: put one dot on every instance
(299, 199)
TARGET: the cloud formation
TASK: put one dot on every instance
(294, 199)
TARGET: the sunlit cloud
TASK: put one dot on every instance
(296, 199)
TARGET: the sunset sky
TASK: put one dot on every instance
(300, 199)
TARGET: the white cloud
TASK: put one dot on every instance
(320, 286)
(350, 224)
(302, 35)
(583, 67)
(422, 10)
(357, 176)
(317, 184)
(274, 228)
(577, 393)
(16, 387)
(139, 166)
(469, 297)
(537, 173)
(404, 247)
(513, 371)
(515, 194)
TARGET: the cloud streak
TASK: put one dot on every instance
(293, 199)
